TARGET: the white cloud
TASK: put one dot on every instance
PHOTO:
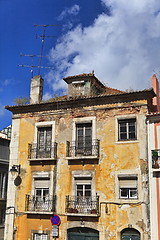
(6, 82)
(1, 110)
(123, 48)
(74, 10)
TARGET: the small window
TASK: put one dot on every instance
(83, 187)
(3, 185)
(127, 129)
(128, 187)
(38, 236)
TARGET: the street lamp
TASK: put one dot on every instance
(15, 169)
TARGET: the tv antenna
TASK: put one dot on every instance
(43, 37)
(32, 65)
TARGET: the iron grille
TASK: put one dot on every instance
(85, 205)
(40, 205)
(82, 148)
(35, 152)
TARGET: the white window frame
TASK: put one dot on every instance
(128, 173)
(125, 118)
(79, 175)
(129, 195)
(81, 121)
(45, 232)
(126, 121)
(42, 175)
(41, 235)
(45, 124)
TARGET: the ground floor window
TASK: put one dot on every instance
(39, 236)
(130, 234)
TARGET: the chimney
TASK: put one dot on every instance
(36, 90)
(155, 86)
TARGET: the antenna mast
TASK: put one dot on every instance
(43, 37)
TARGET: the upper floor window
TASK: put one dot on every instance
(83, 187)
(84, 138)
(127, 129)
(44, 141)
(128, 187)
(3, 184)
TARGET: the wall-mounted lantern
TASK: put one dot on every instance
(15, 169)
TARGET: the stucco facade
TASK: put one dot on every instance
(113, 161)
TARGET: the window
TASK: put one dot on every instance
(127, 129)
(41, 193)
(2, 216)
(3, 184)
(128, 187)
(83, 187)
(39, 236)
(84, 138)
(44, 141)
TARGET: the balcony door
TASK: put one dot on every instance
(42, 194)
(44, 142)
(84, 139)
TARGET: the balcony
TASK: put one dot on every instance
(35, 154)
(82, 206)
(44, 206)
(82, 150)
(156, 159)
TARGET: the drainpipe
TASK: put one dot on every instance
(150, 182)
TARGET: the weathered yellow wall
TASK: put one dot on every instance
(113, 157)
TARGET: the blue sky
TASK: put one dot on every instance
(119, 40)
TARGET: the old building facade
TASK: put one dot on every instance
(82, 157)
(4, 164)
(153, 129)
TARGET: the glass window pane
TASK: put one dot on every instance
(132, 135)
(123, 136)
(124, 192)
(133, 193)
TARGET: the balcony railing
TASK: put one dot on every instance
(156, 158)
(82, 148)
(35, 152)
(82, 205)
(34, 204)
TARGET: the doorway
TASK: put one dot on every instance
(130, 234)
(82, 233)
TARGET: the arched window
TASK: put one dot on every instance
(84, 233)
(130, 234)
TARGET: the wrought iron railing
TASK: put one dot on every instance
(156, 158)
(47, 204)
(84, 205)
(82, 148)
(35, 152)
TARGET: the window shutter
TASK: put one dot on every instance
(41, 138)
(41, 183)
(48, 138)
(128, 183)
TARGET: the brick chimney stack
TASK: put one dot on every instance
(155, 86)
(36, 90)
